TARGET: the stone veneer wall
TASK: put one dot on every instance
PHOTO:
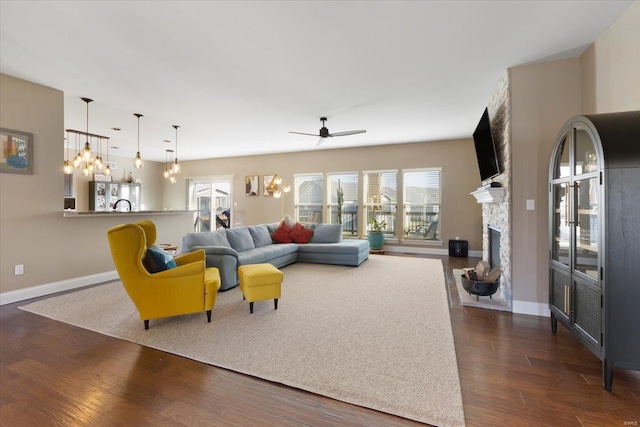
(498, 215)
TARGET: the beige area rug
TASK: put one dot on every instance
(496, 302)
(377, 336)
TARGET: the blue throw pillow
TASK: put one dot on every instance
(157, 260)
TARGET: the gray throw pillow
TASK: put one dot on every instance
(260, 235)
(327, 233)
(240, 239)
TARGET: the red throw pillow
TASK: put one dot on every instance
(281, 235)
(301, 234)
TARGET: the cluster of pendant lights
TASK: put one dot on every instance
(84, 159)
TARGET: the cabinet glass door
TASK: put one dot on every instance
(561, 224)
(585, 158)
(587, 227)
(562, 165)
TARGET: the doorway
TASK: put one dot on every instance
(212, 199)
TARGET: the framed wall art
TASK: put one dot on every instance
(251, 185)
(16, 151)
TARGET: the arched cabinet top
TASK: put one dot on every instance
(619, 135)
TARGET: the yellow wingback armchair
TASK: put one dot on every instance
(188, 288)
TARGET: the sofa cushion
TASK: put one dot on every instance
(260, 235)
(208, 238)
(300, 234)
(281, 235)
(252, 256)
(327, 233)
(273, 227)
(240, 239)
(156, 260)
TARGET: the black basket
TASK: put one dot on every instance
(480, 289)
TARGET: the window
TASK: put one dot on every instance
(381, 198)
(211, 198)
(343, 201)
(421, 189)
(308, 190)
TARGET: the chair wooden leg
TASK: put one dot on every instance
(208, 316)
(275, 303)
(146, 325)
(250, 307)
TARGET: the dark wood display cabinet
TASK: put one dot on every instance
(594, 203)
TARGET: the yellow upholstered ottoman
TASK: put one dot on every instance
(259, 282)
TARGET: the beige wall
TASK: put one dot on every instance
(611, 67)
(543, 97)
(460, 213)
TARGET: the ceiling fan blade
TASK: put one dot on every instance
(320, 141)
(348, 132)
(302, 133)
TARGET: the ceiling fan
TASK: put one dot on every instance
(324, 132)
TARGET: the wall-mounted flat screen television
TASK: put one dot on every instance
(485, 148)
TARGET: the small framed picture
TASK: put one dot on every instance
(251, 185)
(16, 151)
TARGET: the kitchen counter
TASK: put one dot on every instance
(93, 214)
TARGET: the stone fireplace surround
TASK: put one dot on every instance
(496, 207)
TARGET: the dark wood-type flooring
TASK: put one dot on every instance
(513, 372)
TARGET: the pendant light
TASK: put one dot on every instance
(68, 167)
(167, 168)
(86, 151)
(176, 166)
(137, 162)
(107, 169)
(98, 161)
(77, 160)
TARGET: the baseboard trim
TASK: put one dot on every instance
(425, 251)
(532, 308)
(54, 287)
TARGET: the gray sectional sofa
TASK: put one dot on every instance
(227, 249)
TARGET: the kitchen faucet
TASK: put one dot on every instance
(115, 205)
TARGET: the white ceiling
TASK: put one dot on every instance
(237, 76)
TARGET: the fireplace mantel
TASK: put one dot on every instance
(489, 194)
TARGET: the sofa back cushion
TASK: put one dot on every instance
(207, 238)
(260, 235)
(240, 239)
(327, 233)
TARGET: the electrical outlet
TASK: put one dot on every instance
(19, 269)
